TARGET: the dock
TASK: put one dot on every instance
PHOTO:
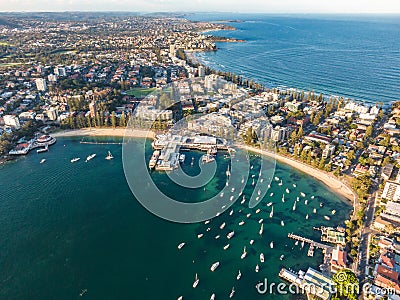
(313, 244)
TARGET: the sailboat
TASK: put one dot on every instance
(243, 200)
(271, 244)
(244, 253)
(257, 268)
(212, 297)
(287, 190)
(252, 183)
(251, 242)
(231, 212)
(280, 183)
(180, 246)
(230, 235)
(294, 185)
(314, 210)
(269, 204)
(261, 229)
(222, 226)
(214, 266)
(258, 210)
(306, 202)
(238, 275)
(282, 223)
(196, 281)
(260, 221)
(302, 194)
(226, 246)
(271, 194)
(307, 217)
(272, 212)
(109, 156)
(232, 293)
(262, 257)
(294, 205)
(259, 192)
(241, 223)
(283, 198)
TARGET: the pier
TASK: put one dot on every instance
(313, 244)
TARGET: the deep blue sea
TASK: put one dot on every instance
(357, 57)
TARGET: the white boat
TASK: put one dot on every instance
(109, 156)
(244, 253)
(302, 194)
(212, 297)
(333, 212)
(307, 217)
(314, 210)
(208, 229)
(327, 218)
(269, 204)
(230, 235)
(182, 158)
(276, 178)
(222, 226)
(238, 275)
(262, 257)
(280, 183)
(259, 192)
(227, 183)
(221, 195)
(252, 183)
(233, 189)
(282, 256)
(180, 246)
(199, 236)
(296, 243)
(83, 292)
(241, 223)
(43, 160)
(226, 246)
(214, 266)
(248, 215)
(242, 179)
(206, 222)
(217, 237)
(257, 198)
(251, 242)
(271, 194)
(282, 223)
(261, 229)
(243, 200)
(320, 205)
(283, 198)
(306, 202)
(231, 198)
(232, 293)
(231, 212)
(294, 185)
(302, 244)
(272, 212)
(260, 221)
(257, 268)
(312, 197)
(75, 159)
(271, 245)
(294, 205)
(196, 281)
(287, 190)
(91, 156)
(258, 210)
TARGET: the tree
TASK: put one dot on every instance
(386, 160)
(300, 133)
(368, 131)
(122, 121)
(113, 120)
(347, 284)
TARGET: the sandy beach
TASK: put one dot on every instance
(120, 132)
(329, 180)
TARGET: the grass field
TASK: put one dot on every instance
(140, 92)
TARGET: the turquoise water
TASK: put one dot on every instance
(357, 57)
(66, 227)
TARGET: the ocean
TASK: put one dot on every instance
(357, 57)
(66, 227)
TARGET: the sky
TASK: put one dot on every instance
(262, 6)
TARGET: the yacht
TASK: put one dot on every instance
(271, 245)
(282, 257)
(272, 212)
(83, 292)
(294, 205)
(241, 223)
(238, 275)
(269, 204)
(230, 235)
(287, 190)
(180, 298)
(196, 281)
(257, 268)
(252, 183)
(262, 257)
(212, 297)
(271, 194)
(306, 202)
(244, 253)
(75, 159)
(231, 198)
(258, 210)
(91, 156)
(302, 194)
(260, 221)
(200, 235)
(261, 229)
(226, 246)
(43, 160)
(206, 222)
(214, 266)
(180, 246)
(314, 210)
(217, 237)
(221, 195)
(294, 185)
(307, 217)
(182, 158)
(222, 226)
(312, 197)
(109, 156)
(276, 178)
(259, 192)
(251, 242)
(283, 198)
(243, 200)
(333, 212)
(327, 218)
(280, 183)
(232, 293)
(231, 212)
(248, 215)
(282, 223)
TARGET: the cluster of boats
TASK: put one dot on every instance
(231, 234)
(91, 156)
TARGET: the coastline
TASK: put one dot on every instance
(330, 181)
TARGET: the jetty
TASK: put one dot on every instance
(313, 244)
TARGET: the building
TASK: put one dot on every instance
(12, 121)
(338, 259)
(201, 71)
(52, 114)
(93, 109)
(293, 106)
(387, 171)
(41, 84)
(59, 71)
(391, 191)
(328, 151)
(172, 50)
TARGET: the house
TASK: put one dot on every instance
(338, 259)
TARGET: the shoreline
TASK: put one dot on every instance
(328, 180)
